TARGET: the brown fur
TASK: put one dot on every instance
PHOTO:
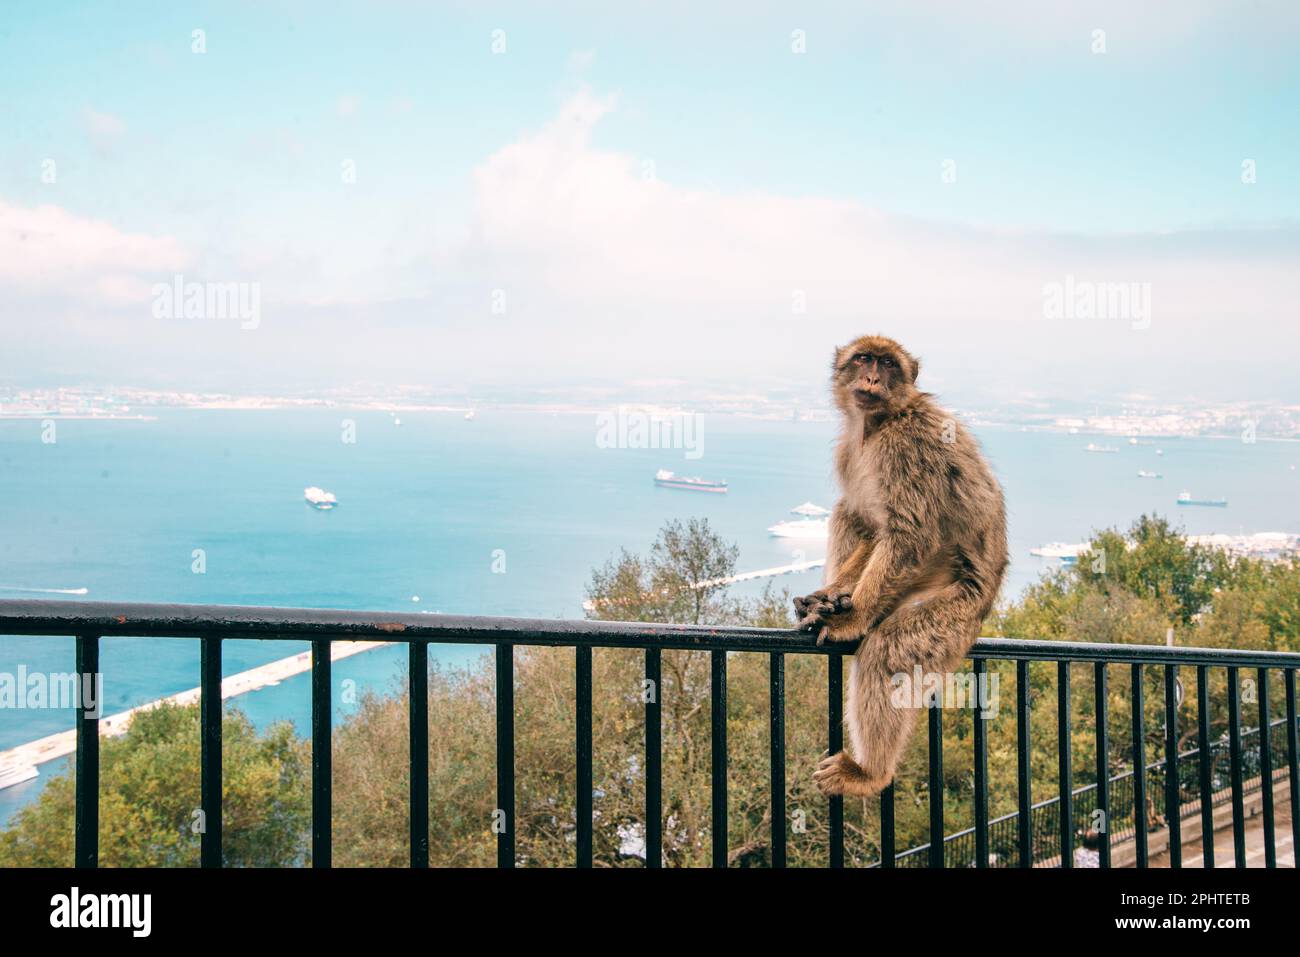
(917, 552)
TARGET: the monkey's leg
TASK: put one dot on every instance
(872, 721)
(882, 712)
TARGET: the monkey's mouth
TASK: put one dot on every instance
(866, 397)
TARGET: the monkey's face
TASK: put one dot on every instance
(872, 376)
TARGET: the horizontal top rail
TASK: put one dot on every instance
(143, 619)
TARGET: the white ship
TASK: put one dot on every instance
(469, 416)
(690, 483)
(1185, 498)
(1094, 447)
(813, 523)
(11, 774)
(319, 498)
(1061, 550)
(1143, 473)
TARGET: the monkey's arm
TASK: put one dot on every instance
(848, 548)
(913, 487)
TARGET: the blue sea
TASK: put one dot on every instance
(428, 507)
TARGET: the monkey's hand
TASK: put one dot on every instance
(845, 624)
(816, 610)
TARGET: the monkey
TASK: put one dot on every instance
(916, 554)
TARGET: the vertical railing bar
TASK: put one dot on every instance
(418, 720)
(1203, 761)
(505, 688)
(981, 766)
(653, 761)
(1266, 769)
(776, 727)
(321, 755)
(1102, 703)
(582, 748)
(1293, 758)
(86, 851)
(1024, 824)
(1234, 753)
(887, 827)
(835, 739)
(1173, 798)
(210, 750)
(1065, 774)
(1139, 767)
(718, 758)
(935, 721)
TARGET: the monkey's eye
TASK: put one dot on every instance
(887, 362)
(862, 358)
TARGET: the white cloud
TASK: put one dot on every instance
(46, 250)
(103, 125)
(595, 229)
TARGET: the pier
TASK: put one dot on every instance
(791, 569)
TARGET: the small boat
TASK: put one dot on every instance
(469, 416)
(1094, 447)
(1160, 451)
(318, 498)
(1143, 473)
(690, 483)
(1185, 498)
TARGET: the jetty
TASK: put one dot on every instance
(61, 744)
(791, 569)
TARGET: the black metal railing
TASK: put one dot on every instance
(1048, 818)
(1117, 797)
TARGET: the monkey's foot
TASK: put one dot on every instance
(815, 610)
(840, 774)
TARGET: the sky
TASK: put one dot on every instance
(507, 195)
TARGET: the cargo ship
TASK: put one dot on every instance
(691, 483)
(1185, 498)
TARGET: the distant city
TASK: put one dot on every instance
(1131, 418)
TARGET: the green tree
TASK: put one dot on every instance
(149, 798)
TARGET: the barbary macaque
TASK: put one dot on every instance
(917, 551)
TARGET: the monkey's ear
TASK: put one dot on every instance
(916, 366)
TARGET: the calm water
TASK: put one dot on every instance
(119, 508)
